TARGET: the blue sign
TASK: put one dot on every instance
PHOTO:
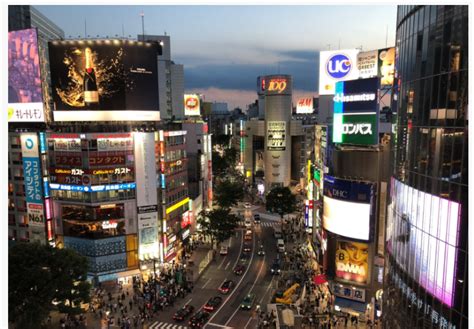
(46, 188)
(338, 66)
(90, 189)
(348, 190)
(163, 184)
(32, 175)
(357, 96)
(43, 144)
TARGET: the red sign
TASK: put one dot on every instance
(62, 160)
(277, 85)
(187, 219)
(106, 160)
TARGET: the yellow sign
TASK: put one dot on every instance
(352, 261)
(177, 205)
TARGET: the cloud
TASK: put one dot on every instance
(240, 98)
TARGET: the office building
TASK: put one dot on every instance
(426, 281)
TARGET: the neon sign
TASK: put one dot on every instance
(277, 85)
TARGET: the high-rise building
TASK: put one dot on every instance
(170, 80)
(426, 281)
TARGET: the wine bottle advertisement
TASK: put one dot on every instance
(104, 80)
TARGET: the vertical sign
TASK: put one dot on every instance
(33, 179)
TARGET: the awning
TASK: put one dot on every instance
(350, 305)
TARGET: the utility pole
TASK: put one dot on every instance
(85, 28)
(142, 14)
(386, 36)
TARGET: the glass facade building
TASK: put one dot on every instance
(426, 278)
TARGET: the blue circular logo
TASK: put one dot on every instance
(338, 66)
(29, 143)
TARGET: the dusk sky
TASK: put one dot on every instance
(224, 48)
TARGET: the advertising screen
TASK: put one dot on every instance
(356, 105)
(386, 66)
(25, 99)
(305, 105)
(276, 135)
(192, 105)
(336, 65)
(97, 80)
(422, 236)
(352, 261)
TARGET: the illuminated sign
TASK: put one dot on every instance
(185, 234)
(43, 143)
(386, 66)
(354, 98)
(35, 214)
(114, 144)
(192, 105)
(177, 205)
(276, 135)
(109, 224)
(349, 292)
(339, 65)
(94, 188)
(187, 218)
(367, 63)
(352, 261)
(304, 105)
(278, 85)
(67, 144)
(25, 98)
(47, 203)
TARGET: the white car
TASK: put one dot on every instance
(248, 222)
(247, 205)
(224, 250)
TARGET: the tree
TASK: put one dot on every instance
(218, 224)
(280, 200)
(222, 140)
(37, 276)
(228, 193)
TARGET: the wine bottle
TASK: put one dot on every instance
(91, 93)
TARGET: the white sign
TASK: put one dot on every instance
(192, 105)
(348, 219)
(276, 135)
(358, 128)
(114, 144)
(147, 220)
(304, 105)
(29, 145)
(367, 63)
(67, 144)
(35, 213)
(109, 224)
(145, 169)
(25, 112)
(338, 65)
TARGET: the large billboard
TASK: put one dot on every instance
(334, 66)
(352, 261)
(348, 207)
(367, 63)
(25, 100)
(192, 105)
(276, 135)
(386, 66)
(422, 236)
(104, 80)
(305, 105)
(356, 112)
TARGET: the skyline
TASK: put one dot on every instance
(223, 63)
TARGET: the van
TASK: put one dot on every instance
(280, 245)
(277, 232)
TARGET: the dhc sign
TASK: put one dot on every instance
(338, 66)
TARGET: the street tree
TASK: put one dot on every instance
(37, 276)
(229, 192)
(280, 200)
(217, 224)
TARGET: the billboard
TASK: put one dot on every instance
(304, 105)
(277, 85)
(367, 64)
(386, 66)
(352, 261)
(336, 65)
(25, 99)
(356, 105)
(347, 209)
(422, 236)
(192, 105)
(104, 80)
(276, 135)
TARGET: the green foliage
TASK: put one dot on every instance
(228, 193)
(280, 200)
(39, 274)
(218, 224)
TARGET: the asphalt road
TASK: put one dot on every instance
(256, 279)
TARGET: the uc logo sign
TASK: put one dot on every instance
(277, 85)
(338, 66)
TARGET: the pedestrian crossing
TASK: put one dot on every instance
(262, 224)
(165, 325)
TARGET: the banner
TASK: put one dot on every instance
(276, 135)
(367, 64)
(25, 98)
(192, 105)
(386, 66)
(352, 261)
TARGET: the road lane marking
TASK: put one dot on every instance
(218, 325)
(248, 322)
(205, 284)
(227, 265)
(266, 291)
(189, 301)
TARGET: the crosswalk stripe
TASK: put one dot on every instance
(165, 325)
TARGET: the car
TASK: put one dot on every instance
(199, 319)
(183, 312)
(256, 218)
(226, 286)
(276, 267)
(224, 250)
(248, 231)
(239, 269)
(261, 251)
(248, 237)
(247, 205)
(248, 302)
(212, 304)
(247, 248)
(248, 223)
(244, 256)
